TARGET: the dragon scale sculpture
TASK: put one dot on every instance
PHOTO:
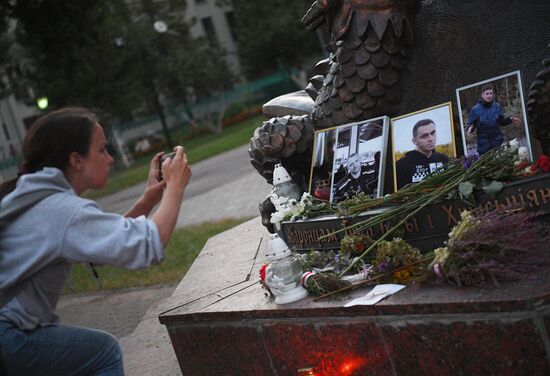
(370, 43)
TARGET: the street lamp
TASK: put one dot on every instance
(160, 27)
(42, 103)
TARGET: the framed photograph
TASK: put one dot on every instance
(493, 112)
(349, 159)
(422, 142)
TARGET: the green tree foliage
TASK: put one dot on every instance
(11, 57)
(270, 34)
(105, 54)
(72, 57)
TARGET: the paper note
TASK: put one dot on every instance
(378, 293)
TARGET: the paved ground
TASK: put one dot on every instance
(117, 312)
(225, 186)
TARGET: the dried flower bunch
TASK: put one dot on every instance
(317, 260)
(483, 251)
(399, 256)
(355, 245)
(318, 284)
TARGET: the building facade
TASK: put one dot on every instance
(217, 23)
(15, 116)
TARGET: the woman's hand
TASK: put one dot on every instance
(176, 171)
(153, 191)
(154, 187)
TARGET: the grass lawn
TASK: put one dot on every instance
(185, 245)
(198, 148)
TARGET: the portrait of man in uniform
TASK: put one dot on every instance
(358, 160)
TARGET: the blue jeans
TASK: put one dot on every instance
(59, 350)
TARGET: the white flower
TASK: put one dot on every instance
(277, 217)
(288, 209)
(523, 153)
(514, 144)
(306, 199)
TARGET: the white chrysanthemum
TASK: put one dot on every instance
(276, 217)
(523, 153)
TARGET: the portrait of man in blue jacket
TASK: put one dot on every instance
(486, 118)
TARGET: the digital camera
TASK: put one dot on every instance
(161, 159)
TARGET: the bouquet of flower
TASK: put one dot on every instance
(318, 284)
(355, 245)
(483, 251)
(457, 178)
(398, 260)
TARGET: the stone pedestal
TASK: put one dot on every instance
(223, 324)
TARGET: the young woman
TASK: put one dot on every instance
(45, 227)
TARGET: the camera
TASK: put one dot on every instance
(169, 155)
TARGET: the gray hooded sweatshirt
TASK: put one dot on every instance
(50, 229)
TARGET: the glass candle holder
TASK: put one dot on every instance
(284, 272)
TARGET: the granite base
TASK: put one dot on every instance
(226, 326)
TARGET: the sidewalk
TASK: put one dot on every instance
(224, 186)
(117, 312)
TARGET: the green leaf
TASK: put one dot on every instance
(466, 189)
(493, 187)
(451, 195)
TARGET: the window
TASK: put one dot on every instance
(230, 17)
(209, 30)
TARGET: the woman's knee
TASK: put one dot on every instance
(110, 346)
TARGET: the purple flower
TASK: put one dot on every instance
(470, 159)
(383, 266)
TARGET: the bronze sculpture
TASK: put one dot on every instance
(377, 68)
(370, 48)
(361, 78)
